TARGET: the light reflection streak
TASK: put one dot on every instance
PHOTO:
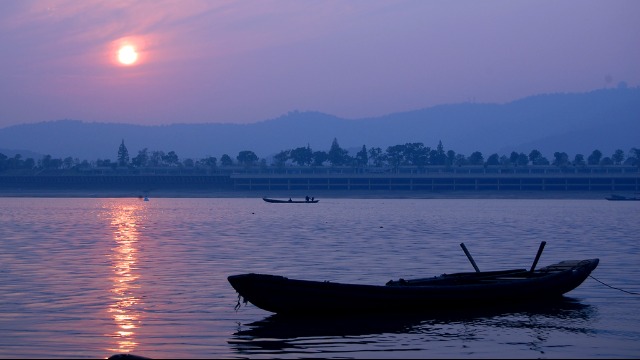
(125, 293)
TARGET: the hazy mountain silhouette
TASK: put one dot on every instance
(606, 120)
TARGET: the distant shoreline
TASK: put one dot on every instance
(336, 185)
(298, 194)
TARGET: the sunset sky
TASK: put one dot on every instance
(188, 61)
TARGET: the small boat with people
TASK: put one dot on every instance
(306, 200)
(464, 290)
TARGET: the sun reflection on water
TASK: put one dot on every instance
(125, 293)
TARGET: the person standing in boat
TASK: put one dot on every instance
(306, 198)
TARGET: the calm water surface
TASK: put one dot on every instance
(89, 278)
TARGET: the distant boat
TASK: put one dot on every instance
(278, 201)
(622, 198)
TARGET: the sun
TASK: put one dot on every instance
(127, 55)
(128, 51)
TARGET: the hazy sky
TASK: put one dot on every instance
(248, 61)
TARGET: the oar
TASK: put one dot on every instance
(469, 257)
(535, 262)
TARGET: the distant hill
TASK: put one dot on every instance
(606, 120)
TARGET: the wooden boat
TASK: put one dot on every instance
(465, 290)
(622, 198)
(279, 201)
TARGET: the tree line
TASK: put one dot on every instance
(408, 154)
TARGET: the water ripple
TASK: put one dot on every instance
(93, 277)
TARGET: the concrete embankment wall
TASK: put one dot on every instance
(338, 184)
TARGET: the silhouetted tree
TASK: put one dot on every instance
(395, 155)
(302, 155)
(281, 157)
(16, 162)
(247, 157)
(225, 160)
(536, 158)
(46, 162)
(513, 158)
(171, 158)
(578, 160)
(68, 162)
(375, 154)
(362, 157)
(337, 155)
(29, 163)
(606, 161)
(493, 159)
(210, 162)
(594, 158)
(522, 160)
(142, 159)
(106, 163)
(319, 158)
(560, 158)
(123, 155)
(451, 157)
(634, 155)
(188, 163)
(440, 157)
(543, 161)
(415, 154)
(84, 164)
(156, 158)
(3, 162)
(476, 158)
(618, 157)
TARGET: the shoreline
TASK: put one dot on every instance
(298, 194)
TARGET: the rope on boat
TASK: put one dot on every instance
(628, 292)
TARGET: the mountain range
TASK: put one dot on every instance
(604, 119)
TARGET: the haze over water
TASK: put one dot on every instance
(89, 278)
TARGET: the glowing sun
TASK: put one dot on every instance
(127, 55)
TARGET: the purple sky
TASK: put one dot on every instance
(248, 61)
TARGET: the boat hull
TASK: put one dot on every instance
(277, 201)
(281, 295)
